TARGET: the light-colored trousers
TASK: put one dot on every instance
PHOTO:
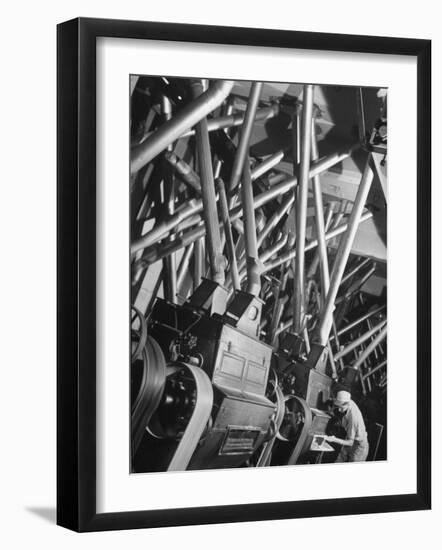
(356, 453)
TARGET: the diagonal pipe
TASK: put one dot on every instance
(313, 244)
(370, 348)
(343, 253)
(233, 120)
(236, 212)
(355, 343)
(179, 124)
(361, 319)
(244, 139)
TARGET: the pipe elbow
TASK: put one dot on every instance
(221, 89)
(174, 128)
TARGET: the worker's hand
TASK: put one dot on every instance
(331, 438)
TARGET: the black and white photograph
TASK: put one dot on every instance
(219, 288)
(258, 269)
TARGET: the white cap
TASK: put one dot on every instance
(342, 397)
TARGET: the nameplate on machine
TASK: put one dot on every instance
(239, 441)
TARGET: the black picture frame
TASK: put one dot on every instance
(76, 273)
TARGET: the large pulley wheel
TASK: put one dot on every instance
(293, 421)
(185, 411)
(178, 401)
(294, 429)
(276, 421)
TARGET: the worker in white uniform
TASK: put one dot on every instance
(355, 445)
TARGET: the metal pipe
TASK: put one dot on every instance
(198, 262)
(340, 215)
(361, 117)
(355, 270)
(343, 253)
(319, 219)
(184, 266)
(284, 326)
(331, 360)
(166, 110)
(235, 213)
(360, 320)
(244, 139)
(189, 222)
(375, 369)
(227, 110)
(251, 246)
(296, 136)
(301, 207)
(316, 168)
(370, 326)
(338, 346)
(275, 218)
(187, 117)
(268, 253)
(153, 294)
(355, 343)
(356, 286)
(230, 121)
(368, 381)
(313, 244)
(147, 124)
(210, 213)
(278, 307)
(160, 230)
(315, 261)
(280, 243)
(276, 326)
(184, 171)
(273, 179)
(364, 391)
(371, 346)
(228, 233)
(306, 340)
(267, 164)
(193, 235)
(170, 285)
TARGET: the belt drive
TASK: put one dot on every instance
(151, 389)
(266, 453)
(302, 439)
(198, 420)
